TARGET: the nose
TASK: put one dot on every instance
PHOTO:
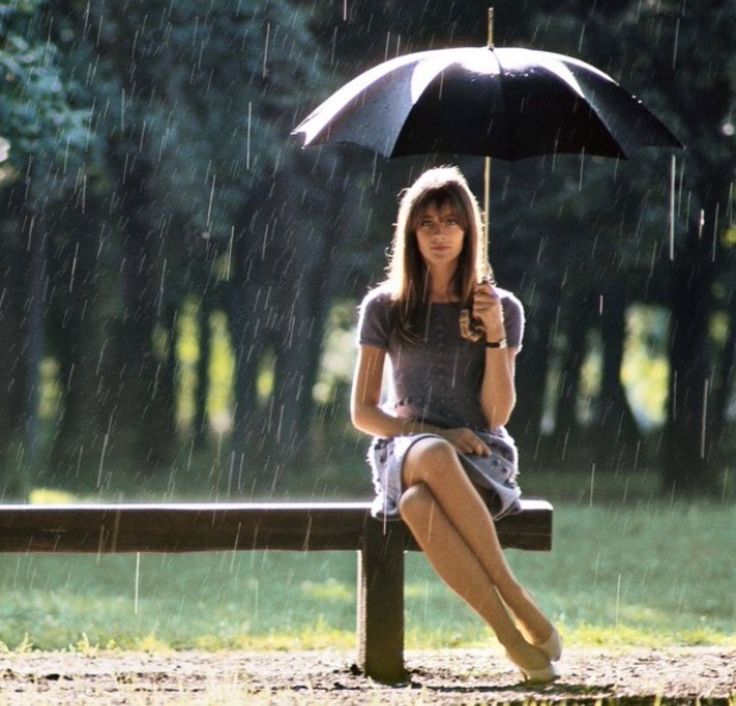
(438, 228)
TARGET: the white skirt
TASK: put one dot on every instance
(494, 475)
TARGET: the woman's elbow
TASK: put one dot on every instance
(499, 415)
(355, 418)
(497, 420)
(358, 416)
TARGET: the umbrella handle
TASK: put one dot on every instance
(470, 329)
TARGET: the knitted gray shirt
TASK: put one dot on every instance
(437, 380)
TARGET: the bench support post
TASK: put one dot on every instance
(381, 602)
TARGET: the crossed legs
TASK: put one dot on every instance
(454, 528)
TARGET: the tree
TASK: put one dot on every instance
(694, 89)
(660, 51)
(193, 110)
(48, 144)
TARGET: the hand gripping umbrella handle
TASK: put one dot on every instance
(471, 329)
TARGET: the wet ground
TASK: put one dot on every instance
(675, 675)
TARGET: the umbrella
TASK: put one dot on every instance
(509, 103)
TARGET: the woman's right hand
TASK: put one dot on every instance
(466, 441)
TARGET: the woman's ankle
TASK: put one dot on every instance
(527, 657)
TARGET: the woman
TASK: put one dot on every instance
(441, 457)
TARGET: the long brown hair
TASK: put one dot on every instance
(408, 277)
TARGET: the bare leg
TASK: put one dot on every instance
(434, 462)
(456, 563)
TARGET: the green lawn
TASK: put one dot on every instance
(647, 572)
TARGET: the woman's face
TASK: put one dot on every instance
(440, 236)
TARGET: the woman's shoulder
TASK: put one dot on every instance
(513, 314)
(379, 296)
(374, 325)
(509, 299)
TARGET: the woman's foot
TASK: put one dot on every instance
(537, 670)
(552, 646)
(540, 676)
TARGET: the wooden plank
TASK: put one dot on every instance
(531, 529)
(190, 527)
(182, 527)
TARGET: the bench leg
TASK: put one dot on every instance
(381, 602)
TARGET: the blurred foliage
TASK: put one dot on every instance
(46, 133)
(340, 351)
(190, 249)
(645, 368)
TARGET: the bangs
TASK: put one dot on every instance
(439, 198)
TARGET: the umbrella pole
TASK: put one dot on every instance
(472, 330)
(485, 268)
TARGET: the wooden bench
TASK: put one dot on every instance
(193, 527)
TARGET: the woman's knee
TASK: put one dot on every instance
(415, 500)
(427, 457)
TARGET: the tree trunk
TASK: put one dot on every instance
(531, 377)
(34, 343)
(248, 444)
(15, 370)
(303, 304)
(143, 426)
(159, 429)
(200, 431)
(617, 433)
(280, 301)
(297, 362)
(78, 339)
(687, 438)
(726, 376)
(567, 428)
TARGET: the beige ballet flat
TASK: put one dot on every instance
(540, 676)
(543, 675)
(552, 646)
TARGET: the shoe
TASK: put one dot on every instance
(543, 675)
(540, 676)
(552, 647)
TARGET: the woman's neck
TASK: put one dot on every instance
(441, 290)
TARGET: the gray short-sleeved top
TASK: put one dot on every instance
(437, 380)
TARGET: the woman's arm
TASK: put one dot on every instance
(367, 415)
(498, 389)
(365, 400)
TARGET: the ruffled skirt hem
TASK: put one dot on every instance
(494, 475)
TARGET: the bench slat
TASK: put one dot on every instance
(191, 527)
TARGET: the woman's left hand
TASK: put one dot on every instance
(487, 307)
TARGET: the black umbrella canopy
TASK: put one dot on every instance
(508, 103)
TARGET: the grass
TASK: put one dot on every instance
(633, 571)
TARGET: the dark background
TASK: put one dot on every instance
(154, 210)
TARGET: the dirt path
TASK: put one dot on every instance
(326, 678)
